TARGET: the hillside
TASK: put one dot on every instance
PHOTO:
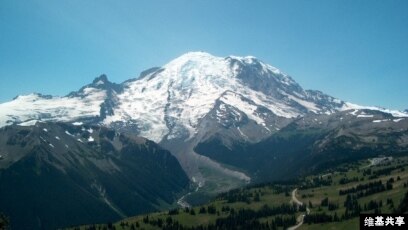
(58, 174)
(331, 200)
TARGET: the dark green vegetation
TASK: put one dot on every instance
(270, 206)
(54, 175)
(222, 213)
(312, 144)
(385, 193)
(4, 222)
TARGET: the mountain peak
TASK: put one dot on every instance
(243, 58)
(100, 80)
(100, 83)
(200, 55)
(191, 57)
(196, 54)
(200, 59)
(32, 96)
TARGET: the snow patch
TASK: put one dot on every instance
(35, 107)
(68, 133)
(354, 112)
(395, 113)
(242, 134)
(379, 121)
(28, 123)
(244, 106)
(100, 82)
(365, 115)
(308, 105)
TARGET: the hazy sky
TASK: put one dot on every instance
(353, 50)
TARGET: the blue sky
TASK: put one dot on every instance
(354, 50)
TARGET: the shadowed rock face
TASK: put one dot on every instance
(56, 174)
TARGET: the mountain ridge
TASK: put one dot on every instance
(313, 143)
(186, 69)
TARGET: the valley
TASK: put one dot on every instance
(208, 176)
(322, 201)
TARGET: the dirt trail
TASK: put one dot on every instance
(301, 216)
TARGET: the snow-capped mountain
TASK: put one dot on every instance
(171, 101)
(91, 103)
(194, 97)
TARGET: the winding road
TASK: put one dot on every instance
(300, 217)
